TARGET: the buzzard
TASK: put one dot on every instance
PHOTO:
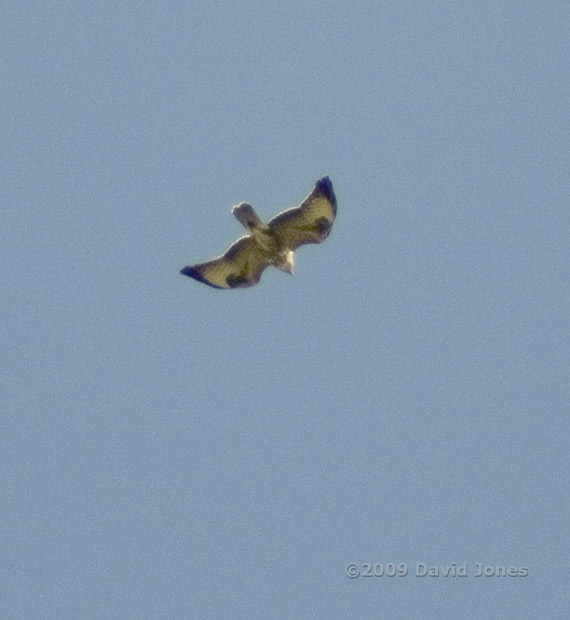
(268, 244)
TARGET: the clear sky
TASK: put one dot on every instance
(168, 450)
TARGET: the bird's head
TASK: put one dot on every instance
(286, 261)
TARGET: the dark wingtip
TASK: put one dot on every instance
(324, 187)
(192, 272)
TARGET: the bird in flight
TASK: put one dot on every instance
(268, 244)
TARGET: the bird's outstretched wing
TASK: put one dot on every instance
(240, 266)
(311, 221)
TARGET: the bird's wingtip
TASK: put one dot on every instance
(192, 272)
(324, 187)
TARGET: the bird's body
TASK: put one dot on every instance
(268, 244)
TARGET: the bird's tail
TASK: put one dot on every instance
(247, 216)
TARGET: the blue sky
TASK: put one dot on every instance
(172, 451)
